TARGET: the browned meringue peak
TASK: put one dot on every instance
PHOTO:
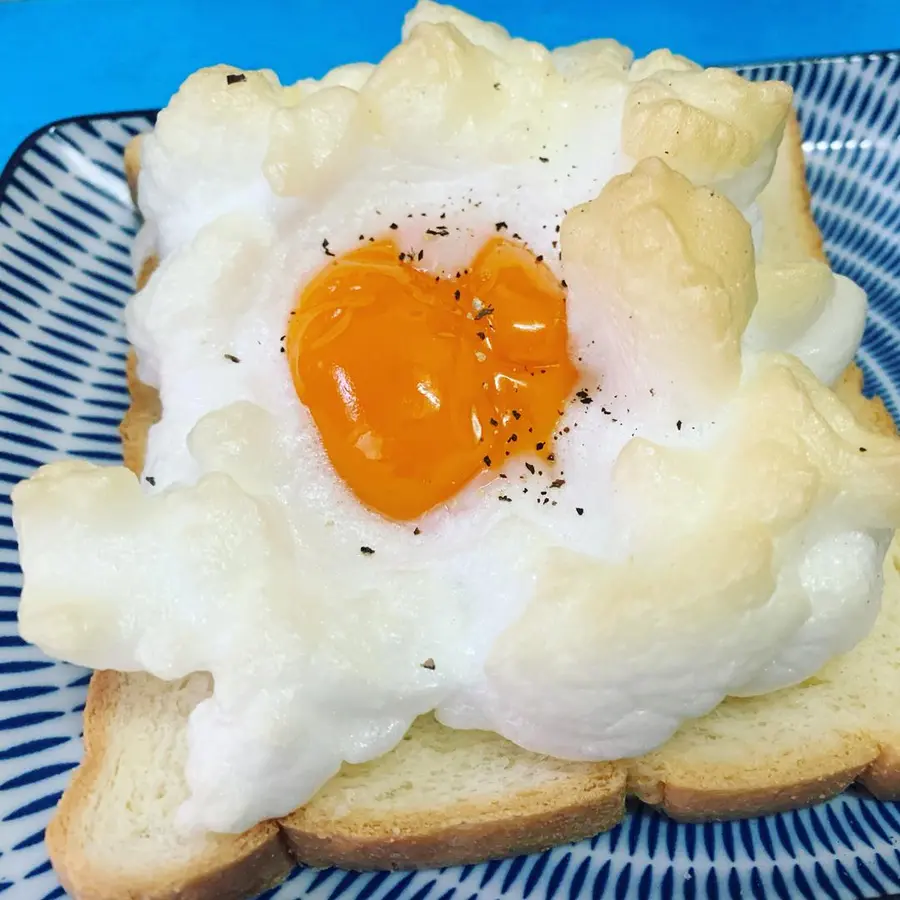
(661, 277)
(602, 58)
(792, 293)
(441, 89)
(711, 125)
(711, 594)
(316, 131)
(312, 142)
(207, 127)
(597, 57)
(662, 60)
(786, 449)
(490, 35)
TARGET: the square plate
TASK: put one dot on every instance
(66, 229)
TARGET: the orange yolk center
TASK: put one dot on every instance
(418, 383)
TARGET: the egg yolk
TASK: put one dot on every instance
(417, 383)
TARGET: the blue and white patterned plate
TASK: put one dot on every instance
(66, 228)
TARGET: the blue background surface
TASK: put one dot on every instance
(67, 57)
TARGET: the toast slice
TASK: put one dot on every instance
(112, 837)
(444, 797)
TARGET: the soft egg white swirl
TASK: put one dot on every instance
(723, 517)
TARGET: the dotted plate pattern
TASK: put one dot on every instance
(66, 229)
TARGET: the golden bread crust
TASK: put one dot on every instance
(690, 804)
(469, 832)
(882, 777)
(694, 791)
(869, 411)
(133, 164)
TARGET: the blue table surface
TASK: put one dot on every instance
(68, 57)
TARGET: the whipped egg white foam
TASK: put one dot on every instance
(709, 525)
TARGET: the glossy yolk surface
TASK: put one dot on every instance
(418, 383)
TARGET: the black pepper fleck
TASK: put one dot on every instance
(235, 79)
(232, 358)
(579, 510)
(487, 461)
(366, 551)
(150, 480)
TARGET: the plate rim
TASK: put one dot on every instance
(15, 158)
(893, 53)
(30, 139)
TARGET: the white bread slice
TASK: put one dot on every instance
(790, 232)
(112, 837)
(445, 797)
